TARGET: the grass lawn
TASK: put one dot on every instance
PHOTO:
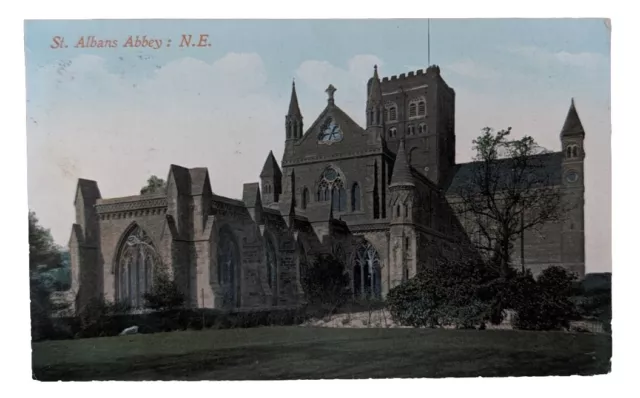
(319, 353)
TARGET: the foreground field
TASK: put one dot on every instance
(319, 353)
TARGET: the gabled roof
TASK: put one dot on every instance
(545, 167)
(198, 180)
(88, 189)
(182, 177)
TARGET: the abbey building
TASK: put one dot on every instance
(378, 197)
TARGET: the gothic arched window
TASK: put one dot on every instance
(392, 113)
(422, 128)
(366, 271)
(305, 197)
(392, 132)
(138, 261)
(355, 197)
(228, 267)
(272, 269)
(575, 151)
(411, 129)
(331, 187)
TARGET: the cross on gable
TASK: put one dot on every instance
(330, 90)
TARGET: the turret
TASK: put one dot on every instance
(271, 177)
(573, 155)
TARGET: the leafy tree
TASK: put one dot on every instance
(44, 255)
(154, 185)
(507, 193)
(164, 294)
(326, 283)
(544, 304)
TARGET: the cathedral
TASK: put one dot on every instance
(378, 197)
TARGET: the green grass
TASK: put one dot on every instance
(319, 353)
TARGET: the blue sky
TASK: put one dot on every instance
(118, 115)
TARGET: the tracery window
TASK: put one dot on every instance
(331, 187)
(227, 268)
(137, 263)
(366, 272)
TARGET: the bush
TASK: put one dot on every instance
(450, 293)
(98, 318)
(326, 284)
(544, 304)
(164, 294)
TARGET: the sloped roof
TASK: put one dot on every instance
(572, 123)
(270, 168)
(402, 175)
(198, 180)
(294, 108)
(545, 168)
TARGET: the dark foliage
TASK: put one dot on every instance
(544, 304)
(154, 185)
(326, 284)
(101, 318)
(450, 293)
(164, 294)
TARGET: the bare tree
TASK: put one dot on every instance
(509, 190)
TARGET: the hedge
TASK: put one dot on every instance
(171, 320)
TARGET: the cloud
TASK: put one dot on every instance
(472, 69)
(351, 82)
(87, 121)
(583, 60)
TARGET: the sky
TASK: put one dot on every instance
(118, 115)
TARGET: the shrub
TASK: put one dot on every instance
(326, 284)
(449, 293)
(544, 304)
(98, 318)
(164, 294)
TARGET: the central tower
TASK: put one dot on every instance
(418, 107)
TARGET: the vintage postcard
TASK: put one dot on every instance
(319, 199)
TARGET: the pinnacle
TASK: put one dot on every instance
(294, 108)
(572, 123)
(401, 170)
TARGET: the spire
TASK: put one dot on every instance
(270, 168)
(572, 124)
(293, 120)
(375, 93)
(294, 109)
(401, 170)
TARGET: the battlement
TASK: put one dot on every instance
(432, 70)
